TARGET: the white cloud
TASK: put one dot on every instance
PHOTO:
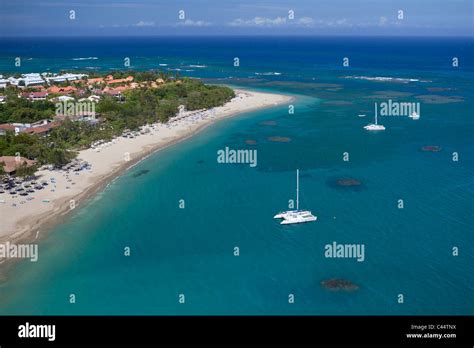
(258, 22)
(191, 23)
(138, 24)
(145, 24)
(305, 22)
(333, 23)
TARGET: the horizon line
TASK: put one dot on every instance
(240, 35)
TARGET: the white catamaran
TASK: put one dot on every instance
(374, 126)
(295, 216)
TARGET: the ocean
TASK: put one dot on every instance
(190, 251)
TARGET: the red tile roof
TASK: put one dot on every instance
(12, 163)
(62, 90)
(128, 79)
(7, 126)
(42, 129)
(95, 80)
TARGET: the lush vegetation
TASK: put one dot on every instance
(44, 150)
(147, 104)
(22, 110)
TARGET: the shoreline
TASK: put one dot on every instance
(32, 226)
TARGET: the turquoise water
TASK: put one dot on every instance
(190, 251)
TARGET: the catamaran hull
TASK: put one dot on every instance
(289, 222)
(286, 214)
(374, 127)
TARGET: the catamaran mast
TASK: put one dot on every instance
(375, 105)
(297, 188)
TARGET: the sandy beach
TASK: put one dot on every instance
(26, 220)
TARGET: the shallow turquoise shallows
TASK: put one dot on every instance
(191, 251)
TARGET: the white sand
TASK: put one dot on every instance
(29, 220)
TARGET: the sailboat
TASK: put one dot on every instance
(374, 126)
(414, 115)
(295, 216)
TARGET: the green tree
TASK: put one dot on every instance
(2, 169)
(24, 171)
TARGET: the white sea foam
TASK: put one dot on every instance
(197, 66)
(85, 58)
(385, 79)
(271, 73)
(163, 64)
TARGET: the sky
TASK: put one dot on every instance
(236, 17)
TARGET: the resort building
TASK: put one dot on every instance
(85, 116)
(112, 81)
(114, 93)
(65, 77)
(4, 82)
(31, 79)
(92, 98)
(63, 98)
(95, 81)
(42, 127)
(12, 163)
(62, 90)
(35, 79)
(25, 80)
(34, 96)
(6, 127)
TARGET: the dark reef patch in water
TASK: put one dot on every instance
(346, 183)
(279, 139)
(439, 99)
(431, 148)
(388, 95)
(339, 285)
(200, 162)
(438, 89)
(141, 172)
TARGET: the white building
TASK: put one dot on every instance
(92, 98)
(63, 98)
(28, 79)
(63, 77)
(32, 79)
